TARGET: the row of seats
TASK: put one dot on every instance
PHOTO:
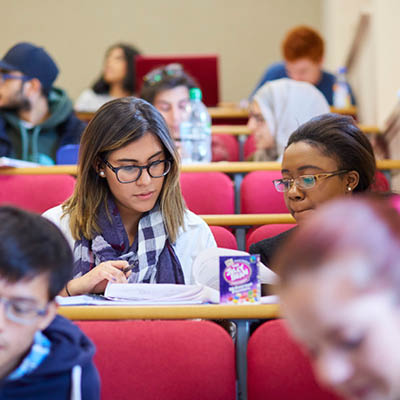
(172, 360)
(204, 193)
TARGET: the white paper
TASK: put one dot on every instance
(204, 290)
(161, 293)
(206, 267)
(13, 162)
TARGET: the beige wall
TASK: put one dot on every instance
(376, 76)
(246, 34)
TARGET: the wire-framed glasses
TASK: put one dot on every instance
(131, 173)
(303, 181)
(21, 311)
(156, 75)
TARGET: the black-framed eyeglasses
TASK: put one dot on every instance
(5, 76)
(156, 75)
(22, 312)
(131, 173)
(303, 181)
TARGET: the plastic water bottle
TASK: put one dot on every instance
(195, 132)
(341, 91)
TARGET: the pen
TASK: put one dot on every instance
(128, 268)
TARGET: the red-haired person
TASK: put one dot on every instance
(303, 53)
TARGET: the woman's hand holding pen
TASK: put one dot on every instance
(95, 281)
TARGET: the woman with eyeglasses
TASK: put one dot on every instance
(167, 88)
(327, 157)
(127, 220)
(117, 79)
(276, 110)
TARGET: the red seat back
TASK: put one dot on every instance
(224, 237)
(166, 360)
(278, 369)
(258, 194)
(249, 147)
(266, 231)
(35, 193)
(208, 192)
(203, 67)
(224, 148)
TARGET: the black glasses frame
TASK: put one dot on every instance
(167, 167)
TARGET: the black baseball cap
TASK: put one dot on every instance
(33, 62)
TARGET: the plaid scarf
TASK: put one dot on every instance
(151, 252)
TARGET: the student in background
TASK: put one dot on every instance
(117, 79)
(167, 89)
(339, 291)
(325, 158)
(43, 356)
(35, 117)
(277, 109)
(303, 52)
(127, 208)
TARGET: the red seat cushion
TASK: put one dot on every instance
(166, 360)
(278, 369)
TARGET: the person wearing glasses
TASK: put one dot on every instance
(277, 109)
(326, 157)
(42, 355)
(339, 290)
(127, 220)
(167, 88)
(35, 117)
(117, 79)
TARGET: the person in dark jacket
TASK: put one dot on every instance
(42, 356)
(326, 157)
(35, 117)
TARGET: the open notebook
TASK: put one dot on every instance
(205, 287)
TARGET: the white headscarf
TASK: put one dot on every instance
(286, 104)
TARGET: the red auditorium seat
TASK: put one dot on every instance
(35, 193)
(224, 237)
(266, 231)
(224, 147)
(166, 360)
(278, 369)
(208, 192)
(249, 147)
(258, 194)
(203, 67)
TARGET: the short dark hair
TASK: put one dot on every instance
(337, 136)
(31, 245)
(129, 84)
(151, 90)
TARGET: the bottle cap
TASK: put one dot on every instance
(342, 70)
(195, 94)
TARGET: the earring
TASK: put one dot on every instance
(102, 174)
(348, 188)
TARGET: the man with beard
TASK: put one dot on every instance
(35, 117)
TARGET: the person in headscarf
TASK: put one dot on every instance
(278, 108)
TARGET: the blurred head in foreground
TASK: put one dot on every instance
(340, 289)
